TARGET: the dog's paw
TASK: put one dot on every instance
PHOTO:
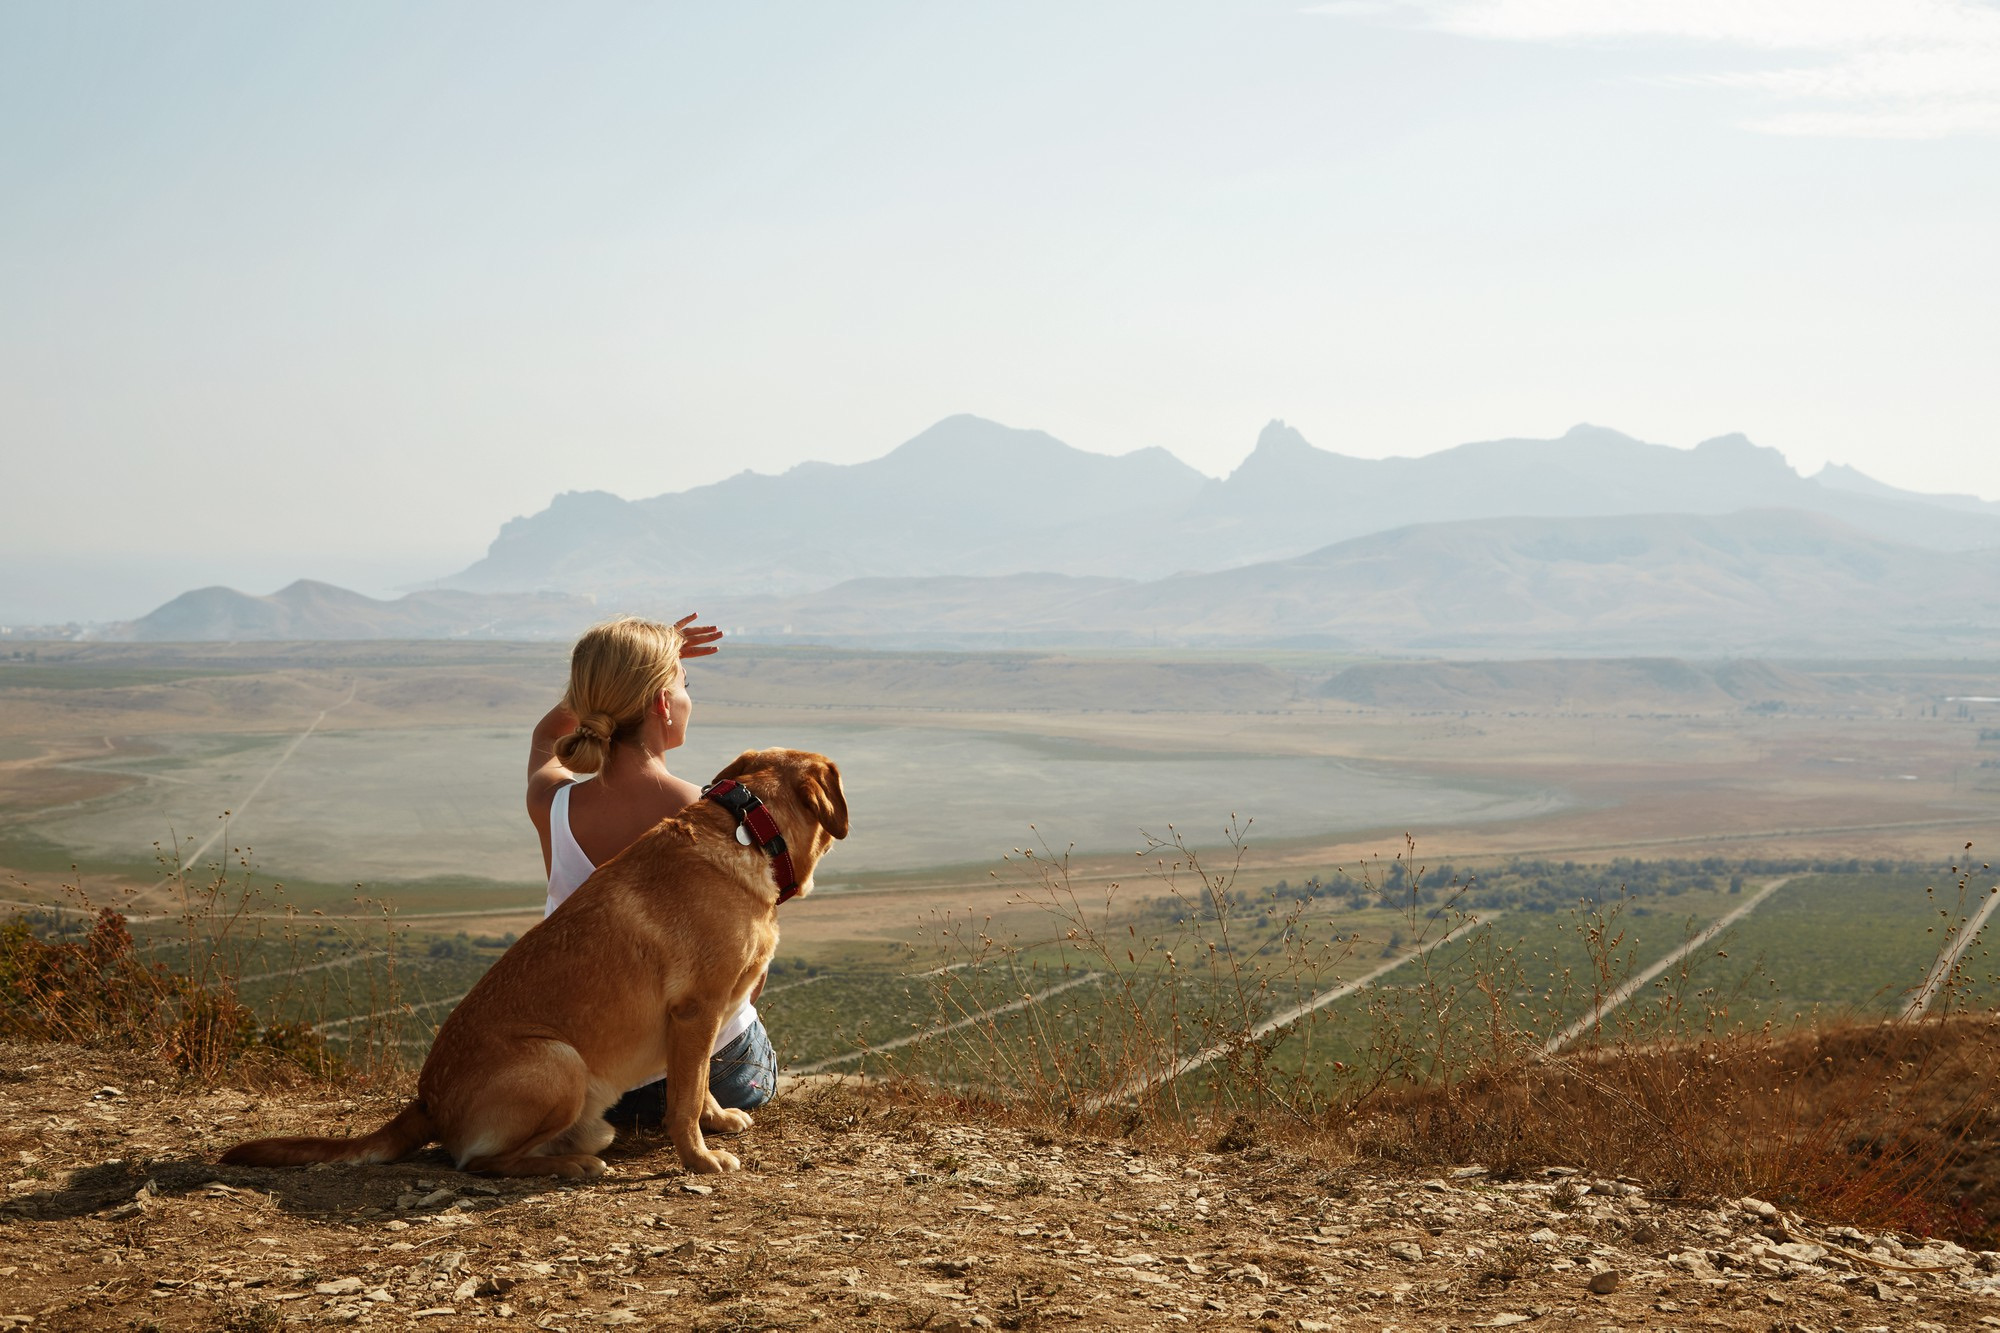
(578, 1166)
(726, 1121)
(711, 1163)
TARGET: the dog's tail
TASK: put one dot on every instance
(410, 1130)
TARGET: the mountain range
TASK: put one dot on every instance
(309, 610)
(1770, 582)
(975, 534)
(972, 497)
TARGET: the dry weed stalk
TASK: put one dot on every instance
(177, 991)
(1173, 1023)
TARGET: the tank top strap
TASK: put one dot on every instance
(568, 866)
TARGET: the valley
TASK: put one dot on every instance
(378, 785)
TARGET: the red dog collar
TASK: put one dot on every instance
(755, 825)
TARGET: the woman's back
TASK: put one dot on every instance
(590, 822)
(604, 818)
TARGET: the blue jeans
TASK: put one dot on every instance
(741, 1076)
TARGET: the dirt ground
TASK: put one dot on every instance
(856, 1211)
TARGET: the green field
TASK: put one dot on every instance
(1152, 980)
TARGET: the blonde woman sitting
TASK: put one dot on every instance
(627, 705)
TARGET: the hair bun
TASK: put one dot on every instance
(597, 726)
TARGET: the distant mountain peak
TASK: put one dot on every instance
(1280, 437)
(963, 433)
(1584, 432)
(1281, 451)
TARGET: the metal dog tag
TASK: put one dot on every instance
(743, 834)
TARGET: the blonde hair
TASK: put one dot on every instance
(616, 671)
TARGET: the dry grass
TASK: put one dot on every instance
(177, 995)
(1876, 1124)
(1852, 1120)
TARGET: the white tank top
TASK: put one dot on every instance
(569, 868)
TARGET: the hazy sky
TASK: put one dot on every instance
(333, 290)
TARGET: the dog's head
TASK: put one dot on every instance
(804, 792)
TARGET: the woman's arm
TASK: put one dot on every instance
(545, 771)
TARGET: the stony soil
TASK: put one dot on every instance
(856, 1213)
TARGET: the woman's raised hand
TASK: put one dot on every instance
(697, 640)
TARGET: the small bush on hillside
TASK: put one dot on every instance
(95, 990)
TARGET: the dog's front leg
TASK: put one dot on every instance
(691, 1033)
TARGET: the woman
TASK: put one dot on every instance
(627, 705)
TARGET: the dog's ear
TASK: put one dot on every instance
(738, 766)
(826, 798)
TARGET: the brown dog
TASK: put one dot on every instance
(634, 974)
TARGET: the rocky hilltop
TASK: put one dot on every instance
(859, 1211)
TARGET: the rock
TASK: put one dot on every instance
(1249, 1273)
(436, 1197)
(1757, 1208)
(1407, 1250)
(345, 1286)
(466, 1290)
(1468, 1172)
(1693, 1263)
(433, 1312)
(689, 1187)
(618, 1317)
(1435, 1187)
(1544, 1236)
(1603, 1284)
(503, 1311)
(1314, 1326)
(1506, 1320)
